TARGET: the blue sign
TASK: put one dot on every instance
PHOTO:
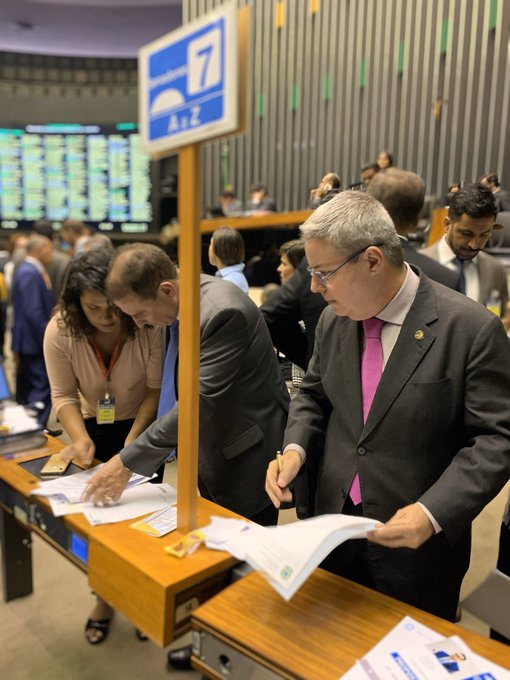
(188, 83)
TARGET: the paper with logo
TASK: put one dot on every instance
(285, 555)
(158, 524)
(412, 651)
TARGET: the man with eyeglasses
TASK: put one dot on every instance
(408, 385)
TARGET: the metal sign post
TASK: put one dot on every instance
(190, 91)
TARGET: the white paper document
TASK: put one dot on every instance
(60, 506)
(73, 486)
(160, 523)
(138, 500)
(18, 420)
(285, 555)
(412, 651)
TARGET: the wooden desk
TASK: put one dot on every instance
(273, 220)
(318, 635)
(128, 569)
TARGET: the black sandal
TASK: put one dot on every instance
(102, 626)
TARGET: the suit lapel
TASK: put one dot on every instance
(484, 277)
(415, 339)
(349, 360)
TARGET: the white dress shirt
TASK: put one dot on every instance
(471, 275)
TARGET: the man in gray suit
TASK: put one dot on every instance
(419, 439)
(243, 398)
(471, 219)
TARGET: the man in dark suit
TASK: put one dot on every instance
(32, 300)
(409, 385)
(402, 193)
(243, 398)
(468, 227)
(57, 269)
(286, 308)
(501, 196)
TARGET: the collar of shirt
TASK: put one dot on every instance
(396, 310)
(447, 256)
(35, 263)
(231, 268)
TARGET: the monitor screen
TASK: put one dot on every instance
(94, 173)
(4, 387)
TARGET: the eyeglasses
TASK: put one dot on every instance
(323, 277)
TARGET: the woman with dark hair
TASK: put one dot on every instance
(105, 376)
(226, 252)
(291, 253)
(384, 159)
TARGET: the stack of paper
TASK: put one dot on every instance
(18, 420)
(412, 650)
(73, 486)
(65, 493)
(19, 430)
(285, 555)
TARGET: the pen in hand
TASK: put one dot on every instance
(279, 460)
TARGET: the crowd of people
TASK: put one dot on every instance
(398, 357)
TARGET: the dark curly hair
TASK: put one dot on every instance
(87, 271)
(474, 200)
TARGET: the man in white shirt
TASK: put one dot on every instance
(471, 219)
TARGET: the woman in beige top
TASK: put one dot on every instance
(105, 376)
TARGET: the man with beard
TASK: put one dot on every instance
(469, 225)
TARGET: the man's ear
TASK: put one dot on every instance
(374, 257)
(447, 223)
(167, 288)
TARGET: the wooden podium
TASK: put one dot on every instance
(129, 570)
(249, 631)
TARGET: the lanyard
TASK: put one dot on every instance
(106, 371)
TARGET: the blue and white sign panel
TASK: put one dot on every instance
(188, 82)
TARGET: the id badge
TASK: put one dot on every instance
(106, 411)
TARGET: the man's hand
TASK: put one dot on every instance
(82, 449)
(109, 483)
(408, 528)
(277, 482)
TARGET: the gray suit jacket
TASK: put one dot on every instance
(491, 274)
(438, 431)
(243, 404)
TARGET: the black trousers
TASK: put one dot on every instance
(266, 517)
(428, 578)
(32, 384)
(109, 440)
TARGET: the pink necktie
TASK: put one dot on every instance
(371, 371)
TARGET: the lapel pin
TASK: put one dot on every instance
(419, 335)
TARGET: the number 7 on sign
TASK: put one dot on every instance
(204, 62)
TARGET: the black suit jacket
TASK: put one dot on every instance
(294, 302)
(438, 432)
(432, 268)
(502, 200)
(243, 404)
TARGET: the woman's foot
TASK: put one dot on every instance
(98, 625)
